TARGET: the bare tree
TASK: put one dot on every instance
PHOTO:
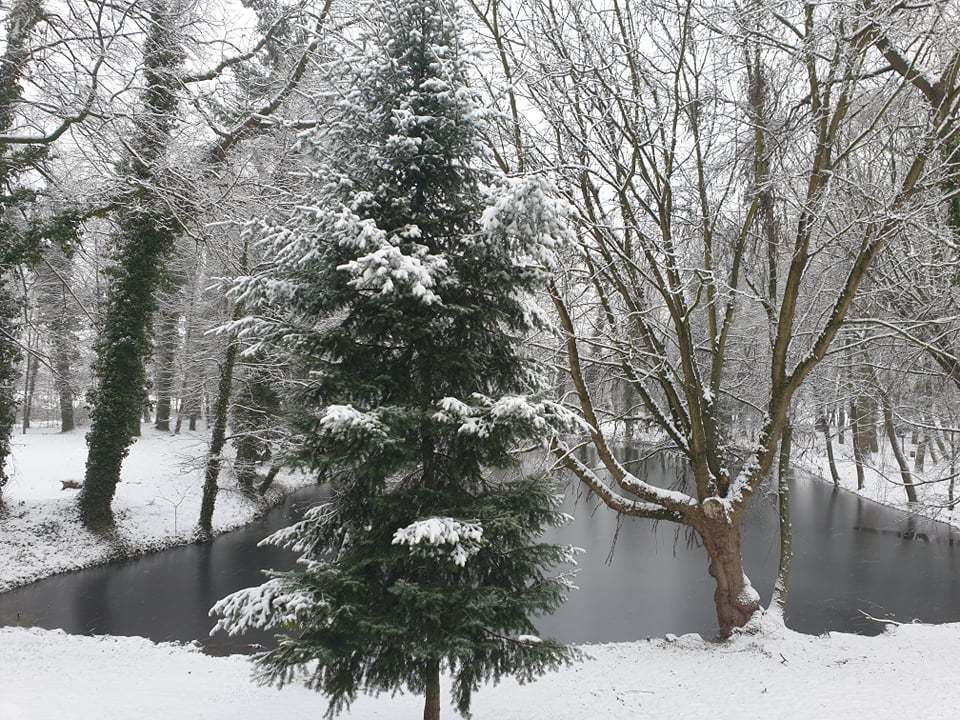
(695, 241)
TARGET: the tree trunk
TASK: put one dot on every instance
(932, 447)
(58, 311)
(245, 462)
(62, 381)
(147, 232)
(30, 384)
(831, 461)
(953, 470)
(782, 584)
(9, 357)
(22, 17)
(938, 438)
(735, 599)
(855, 441)
(919, 460)
(165, 354)
(268, 480)
(431, 704)
(841, 421)
(786, 447)
(219, 434)
(867, 424)
(897, 453)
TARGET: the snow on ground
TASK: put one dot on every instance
(48, 675)
(882, 481)
(156, 506)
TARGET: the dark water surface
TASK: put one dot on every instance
(851, 555)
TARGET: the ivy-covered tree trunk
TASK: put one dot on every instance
(10, 355)
(22, 18)
(147, 231)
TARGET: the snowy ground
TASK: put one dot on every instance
(157, 502)
(48, 675)
(882, 481)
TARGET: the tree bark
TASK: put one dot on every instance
(855, 441)
(953, 470)
(147, 232)
(897, 453)
(824, 425)
(219, 434)
(919, 460)
(165, 354)
(9, 357)
(782, 584)
(268, 480)
(22, 16)
(30, 384)
(431, 704)
(735, 599)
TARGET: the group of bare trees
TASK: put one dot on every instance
(756, 184)
(765, 199)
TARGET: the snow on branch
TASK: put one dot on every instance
(525, 213)
(441, 537)
(483, 415)
(346, 422)
(657, 510)
(387, 270)
(261, 607)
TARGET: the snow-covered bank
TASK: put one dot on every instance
(156, 506)
(49, 675)
(882, 481)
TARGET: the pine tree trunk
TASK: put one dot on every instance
(897, 453)
(855, 441)
(734, 598)
(431, 704)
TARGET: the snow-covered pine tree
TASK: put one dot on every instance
(401, 287)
